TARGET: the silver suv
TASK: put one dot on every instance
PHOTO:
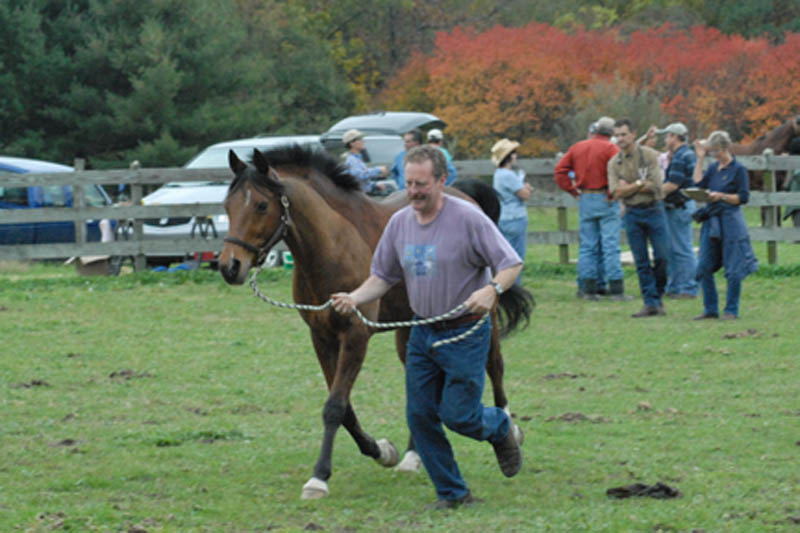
(383, 132)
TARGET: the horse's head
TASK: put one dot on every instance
(257, 213)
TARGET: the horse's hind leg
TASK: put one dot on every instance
(495, 368)
(411, 461)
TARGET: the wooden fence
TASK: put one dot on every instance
(539, 173)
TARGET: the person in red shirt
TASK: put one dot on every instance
(599, 220)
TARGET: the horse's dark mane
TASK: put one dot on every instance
(301, 156)
(306, 156)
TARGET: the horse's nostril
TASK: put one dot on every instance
(231, 271)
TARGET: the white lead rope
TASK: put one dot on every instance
(376, 325)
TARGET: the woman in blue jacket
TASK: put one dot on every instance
(724, 240)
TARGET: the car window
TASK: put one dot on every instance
(94, 198)
(14, 195)
(54, 196)
(383, 151)
(217, 157)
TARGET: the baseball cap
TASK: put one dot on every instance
(676, 128)
(604, 126)
(435, 135)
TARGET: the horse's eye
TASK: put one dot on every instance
(262, 207)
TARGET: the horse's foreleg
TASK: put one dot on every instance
(341, 372)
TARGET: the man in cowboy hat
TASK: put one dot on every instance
(353, 140)
(599, 221)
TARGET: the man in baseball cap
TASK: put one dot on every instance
(436, 138)
(681, 261)
(599, 221)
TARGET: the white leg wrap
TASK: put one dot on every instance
(410, 463)
(389, 455)
(314, 489)
(518, 435)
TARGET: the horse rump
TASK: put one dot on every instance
(516, 303)
(483, 194)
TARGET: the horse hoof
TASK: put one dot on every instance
(389, 455)
(410, 463)
(314, 489)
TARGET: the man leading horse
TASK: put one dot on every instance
(443, 248)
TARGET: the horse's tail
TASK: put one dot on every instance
(516, 303)
(483, 194)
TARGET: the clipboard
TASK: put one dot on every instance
(698, 195)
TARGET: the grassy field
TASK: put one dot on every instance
(173, 402)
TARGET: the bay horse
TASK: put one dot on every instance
(776, 140)
(308, 199)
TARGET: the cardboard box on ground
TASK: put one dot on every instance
(95, 265)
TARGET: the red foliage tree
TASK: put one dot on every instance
(519, 82)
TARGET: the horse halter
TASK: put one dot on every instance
(280, 233)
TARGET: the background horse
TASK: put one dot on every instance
(309, 200)
(778, 141)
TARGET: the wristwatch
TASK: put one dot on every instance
(639, 182)
(497, 288)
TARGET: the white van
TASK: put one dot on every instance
(190, 192)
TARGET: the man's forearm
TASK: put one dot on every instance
(508, 276)
(372, 289)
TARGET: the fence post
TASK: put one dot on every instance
(79, 202)
(771, 219)
(563, 249)
(139, 260)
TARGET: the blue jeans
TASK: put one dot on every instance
(516, 233)
(710, 261)
(641, 225)
(445, 386)
(599, 225)
(681, 262)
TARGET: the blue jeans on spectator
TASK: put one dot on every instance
(445, 385)
(641, 225)
(681, 262)
(711, 254)
(599, 225)
(515, 231)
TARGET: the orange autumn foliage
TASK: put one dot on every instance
(519, 82)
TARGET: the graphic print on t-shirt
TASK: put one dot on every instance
(419, 260)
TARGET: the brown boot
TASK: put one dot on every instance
(649, 310)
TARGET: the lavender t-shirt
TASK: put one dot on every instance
(444, 261)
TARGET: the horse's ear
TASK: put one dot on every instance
(261, 163)
(236, 164)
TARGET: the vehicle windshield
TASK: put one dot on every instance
(384, 150)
